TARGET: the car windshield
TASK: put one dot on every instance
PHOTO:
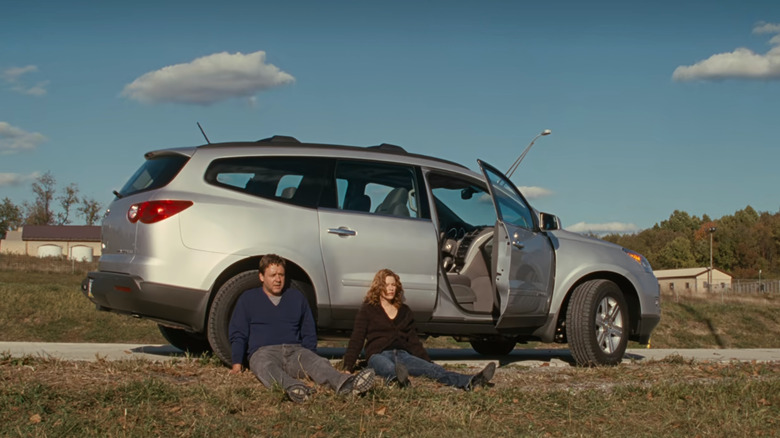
(460, 203)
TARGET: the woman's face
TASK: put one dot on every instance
(388, 293)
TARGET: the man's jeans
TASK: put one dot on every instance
(285, 364)
(384, 365)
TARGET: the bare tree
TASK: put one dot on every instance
(90, 210)
(39, 212)
(67, 201)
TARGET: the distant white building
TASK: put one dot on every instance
(692, 280)
(76, 242)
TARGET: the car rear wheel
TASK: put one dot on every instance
(190, 342)
(597, 323)
(222, 309)
(493, 346)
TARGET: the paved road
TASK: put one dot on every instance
(519, 357)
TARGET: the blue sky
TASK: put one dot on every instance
(653, 106)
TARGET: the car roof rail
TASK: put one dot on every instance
(391, 148)
(279, 139)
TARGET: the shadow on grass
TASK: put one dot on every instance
(699, 317)
(517, 357)
(159, 350)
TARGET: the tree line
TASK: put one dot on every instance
(742, 243)
(48, 207)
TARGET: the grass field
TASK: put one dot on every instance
(41, 301)
(199, 399)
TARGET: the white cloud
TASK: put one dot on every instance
(485, 199)
(13, 139)
(12, 75)
(763, 27)
(742, 63)
(606, 228)
(15, 179)
(208, 80)
(535, 192)
(38, 89)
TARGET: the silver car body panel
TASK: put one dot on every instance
(407, 246)
(579, 257)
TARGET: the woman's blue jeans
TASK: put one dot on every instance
(384, 365)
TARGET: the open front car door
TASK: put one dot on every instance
(523, 257)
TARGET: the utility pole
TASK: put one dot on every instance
(709, 273)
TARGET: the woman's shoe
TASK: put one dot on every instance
(483, 377)
(402, 374)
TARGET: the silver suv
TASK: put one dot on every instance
(182, 240)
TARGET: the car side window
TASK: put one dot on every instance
(296, 180)
(510, 204)
(379, 188)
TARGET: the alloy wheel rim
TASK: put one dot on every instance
(609, 325)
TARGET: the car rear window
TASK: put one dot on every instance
(154, 173)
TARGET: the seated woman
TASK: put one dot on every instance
(384, 325)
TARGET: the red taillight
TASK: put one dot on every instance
(150, 212)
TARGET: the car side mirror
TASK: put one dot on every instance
(549, 222)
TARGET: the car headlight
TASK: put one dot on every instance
(639, 258)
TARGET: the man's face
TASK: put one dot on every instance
(273, 279)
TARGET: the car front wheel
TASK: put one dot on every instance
(597, 323)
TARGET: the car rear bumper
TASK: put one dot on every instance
(127, 294)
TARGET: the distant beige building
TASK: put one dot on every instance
(75, 242)
(692, 280)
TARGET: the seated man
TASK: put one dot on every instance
(275, 327)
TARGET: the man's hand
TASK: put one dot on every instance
(236, 369)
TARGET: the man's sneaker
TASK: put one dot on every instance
(298, 393)
(483, 377)
(359, 383)
(402, 374)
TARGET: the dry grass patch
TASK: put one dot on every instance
(198, 398)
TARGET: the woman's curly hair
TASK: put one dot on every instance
(378, 286)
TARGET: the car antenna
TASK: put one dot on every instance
(202, 132)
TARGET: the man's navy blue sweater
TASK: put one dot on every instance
(257, 322)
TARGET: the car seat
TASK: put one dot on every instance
(395, 203)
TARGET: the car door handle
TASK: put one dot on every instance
(342, 231)
(518, 244)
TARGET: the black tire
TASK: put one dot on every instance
(597, 323)
(493, 346)
(189, 342)
(222, 309)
